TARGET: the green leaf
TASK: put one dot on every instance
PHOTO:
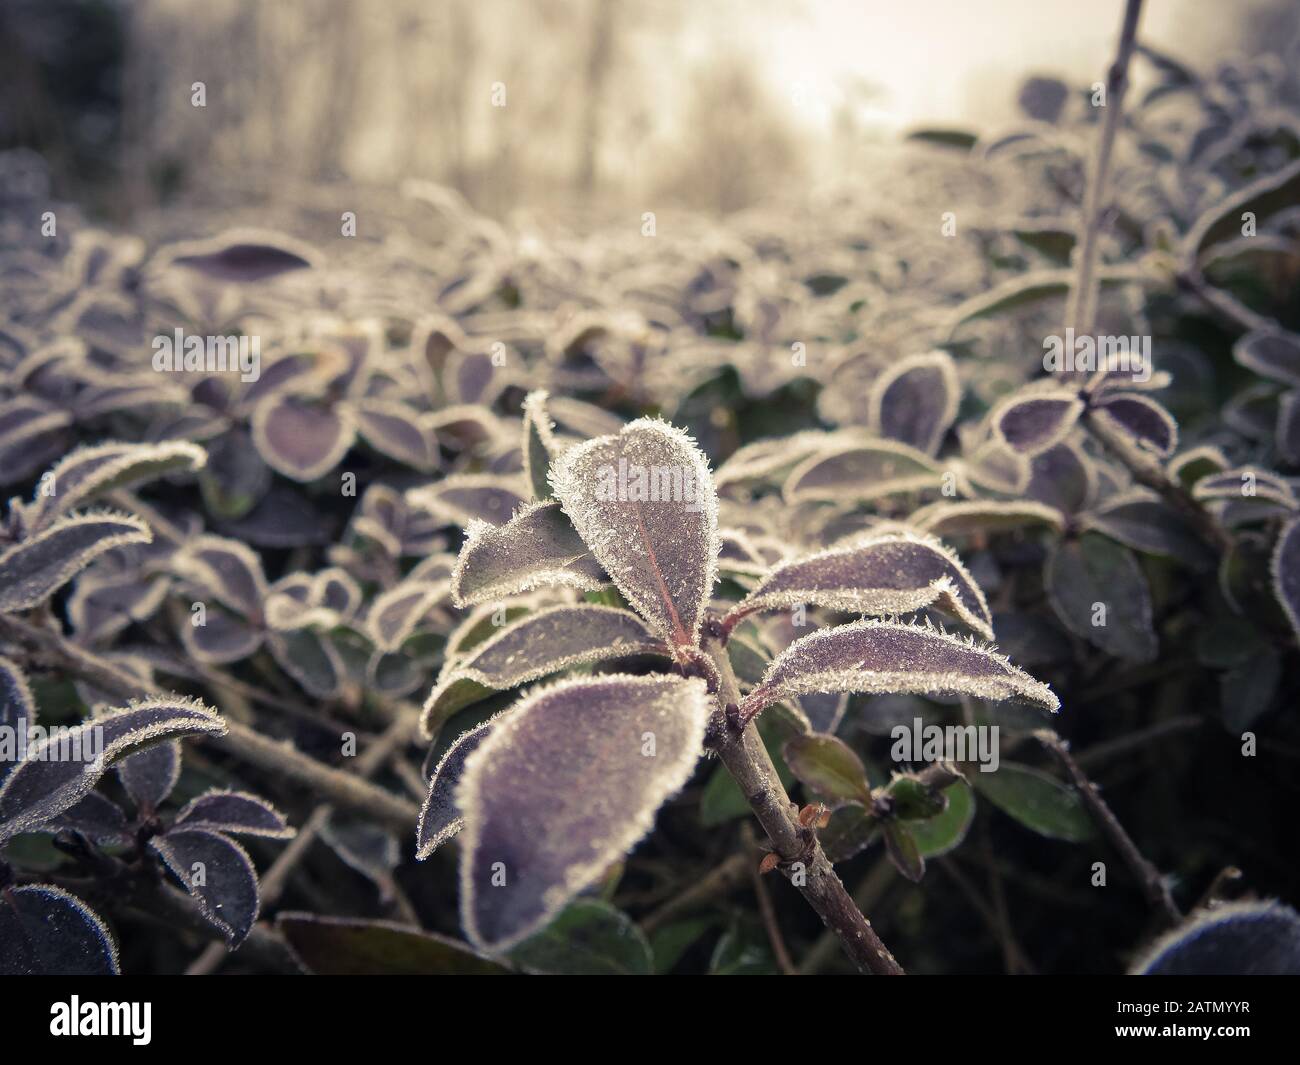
(915, 801)
(1099, 592)
(343, 946)
(1039, 802)
(743, 951)
(669, 942)
(828, 766)
(851, 828)
(1247, 691)
(904, 852)
(943, 833)
(588, 938)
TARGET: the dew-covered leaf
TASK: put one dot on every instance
(1246, 482)
(566, 782)
(64, 767)
(1271, 353)
(829, 767)
(644, 503)
(1039, 802)
(348, 946)
(95, 817)
(440, 817)
(1100, 593)
(301, 438)
(884, 656)
(537, 547)
(34, 569)
(536, 646)
(218, 873)
(1142, 420)
(1032, 421)
(589, 938)
(848, 473)
(1285, 571)
(539, 444)
(236, 812)
(1232, 939)
(44, 931)
(396, 612)
(222, 638)
(242, 256)
(890, 574)
(915, 400)
(90, 472)
(17, 707)
(149, 776)
(227, 569)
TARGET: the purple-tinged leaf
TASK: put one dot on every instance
(1274, 354)
(222, 638)
(149, 776)
(1229, 939)
(300, 438)
(1032, 421)
(768, 461)
(395, 614)
(34, 569)
(1140, 520)
(903, 851)
(861, 472)
(44, 931)
(1100, 593)
(227, 569)
(1288, 427)
(90, 472)
(540, 445)
(235, 812)
(62, 768)
(583, 419)
(643, 502)
(1188, 467)
(568, 780)
(472, 377)
(1143, 421)
(887, 574)
(345, 946)
(978, 516)
(235, 479)
(242, 256)
(1285, 570)
(883, 656)
(103, 604)
(466, 497)
(536, 646)
(535, 548)
(25, 418)
(1246, 482)
(394, 429)
(829, 767)
(218, 873)
(309, 658)
(367, 848)
(17, 707)
(995, 467)
(1273, 192)
(95, 817)
(440, 817)
(824, 710)
(915, 400)
(1062, 477)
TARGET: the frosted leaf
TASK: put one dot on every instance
(466, 497)
(896, 573)
(236, 812)
(915, 400)
(1188, 467)
(17, 707)
(440, 817)
(34, 569)
(880, 657)
(44, 931)
(482, 623)
(309, 658)
(583, 419)
(149, 776)
(738, 554)
(644, 503)
(537, 645)
(859, 473)
(102, 604)
(1285, 571)
(996, 467)
(62, 768)
(1230, 939)
(770, 460)
(92, 471)
(1080, 574)
(537, 547)
(1288, 427)
(539, 445)
(227, 569)
(562, 787)
(1141, 419)
(227, 894)
(395, 613)
(1272, 192)
(1031, 421)
(395, 430)
(1141, 520)
(1062, 477)
(1246, 482)
(968, 517)
(223, 637)
(1272, 353)
(95, 817)
(242, 256)
(301, 438)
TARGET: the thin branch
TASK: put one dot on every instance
(767, 911)
(718, 882)
(801, 857)
(869, 892)
(1153, 884)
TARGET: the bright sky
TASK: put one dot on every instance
(954, 61)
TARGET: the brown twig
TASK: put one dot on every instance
(801, 857)
(766, 910)
(715, 884)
